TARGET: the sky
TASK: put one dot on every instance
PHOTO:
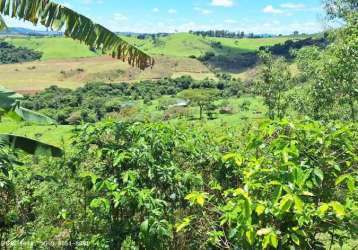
(152, 16)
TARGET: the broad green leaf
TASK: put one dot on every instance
(286, 203)
(10, 103)
(339, 209)
(318, 172)
(30, 146)
(184, 224)
(197, 198)
(2, 24)
(264, 231)
(322, 210)
(266, 241)
(351, 184)
(34, 117)
(274, 240)
(260, 209)
(295, 239)
(298, 204)
(99, 202)
(342, 178)
(250, 237)
(144, 227)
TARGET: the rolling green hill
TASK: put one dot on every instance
(53, 47)
(178, 45)
(185, 44)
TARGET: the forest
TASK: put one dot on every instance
(270, 162)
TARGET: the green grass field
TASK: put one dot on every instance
(53, 134)
(53, 47)
(185, 44)
(68, 63)
(177, 45)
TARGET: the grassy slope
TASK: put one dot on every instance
(184, 44)
(63, 58)
(54, 47)
(51, 134)
(176, 45)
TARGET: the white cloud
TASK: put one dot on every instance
(271, 10)
(172, 11)
(155, 9)
(293, 6)
(68, 5)
(223, 3)
(230, 21)
(119, 17)
(203, 11)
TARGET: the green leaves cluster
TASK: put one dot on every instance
(296, 181)
(274, 81)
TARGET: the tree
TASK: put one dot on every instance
(200, 97)
(10, 105)
(76, 26)
(340, 8)
(274, 81)
(336, 75)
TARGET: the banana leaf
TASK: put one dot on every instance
(10, 104)
(76, 26)
(30, 146)
(2, 24)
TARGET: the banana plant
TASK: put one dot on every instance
(76, 26)
(10, 106)
(2, 24)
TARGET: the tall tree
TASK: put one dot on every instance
(340, 8)
(76, 26)
(274, 81)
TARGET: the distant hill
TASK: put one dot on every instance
(16, 31)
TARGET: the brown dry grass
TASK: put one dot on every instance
(71, 73)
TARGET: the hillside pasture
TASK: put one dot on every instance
(71, 73)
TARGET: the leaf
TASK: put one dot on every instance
(185, 223)
(197, 198)
(318, 172)
(77, 27)
(144, 227)
(260, 209)
(250, 237)
(266, 241)
(322, 210)
(295, 239)
(264, 231)
(286, 203)
(351, 184)
(2, 24)
(10, 103)
(30, 146)
(273, 240)
(298, 204)
(339, 209)
(342, 178)
(34, 117)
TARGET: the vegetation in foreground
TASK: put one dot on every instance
(288, 182)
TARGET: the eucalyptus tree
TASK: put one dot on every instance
(274, 80)
(340, 8)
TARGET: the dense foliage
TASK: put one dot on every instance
(11, 54)
(287, 182)
(93, 101)
(286, 48)
(153, 186)
(226, 33)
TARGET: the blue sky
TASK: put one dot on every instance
(258, 16)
